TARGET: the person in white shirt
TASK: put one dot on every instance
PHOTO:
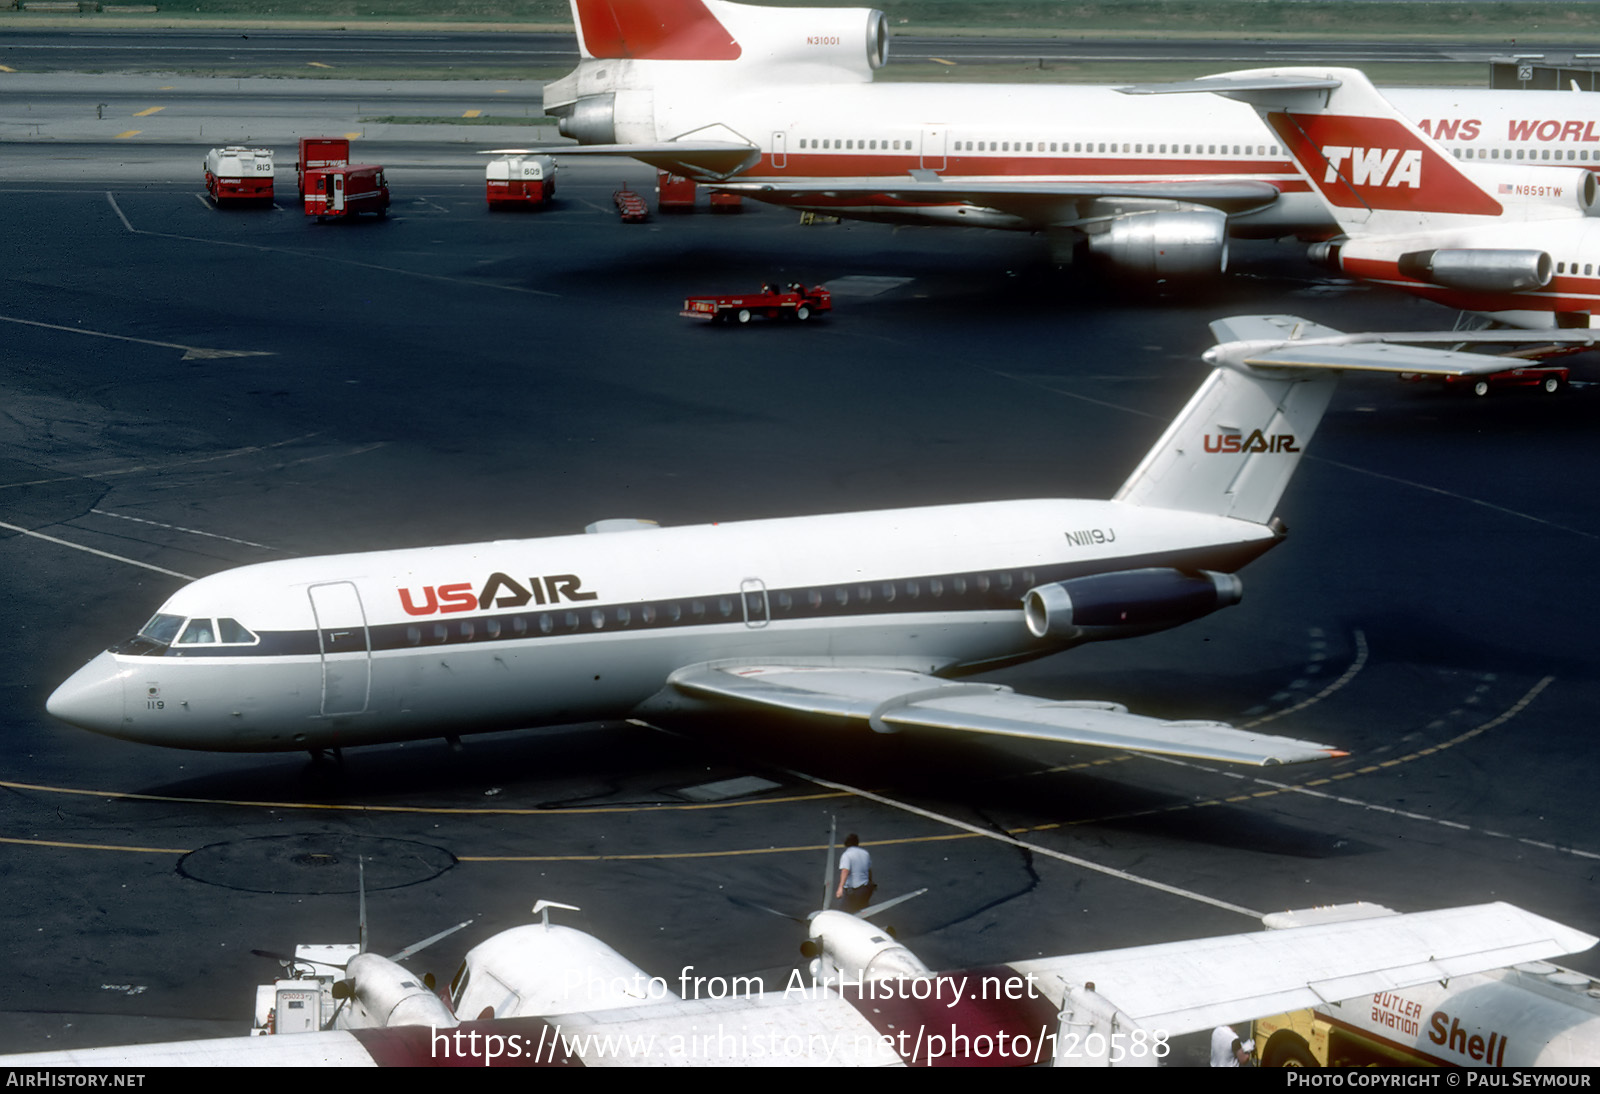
(855, 876)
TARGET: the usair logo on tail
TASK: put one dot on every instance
(1257, 441)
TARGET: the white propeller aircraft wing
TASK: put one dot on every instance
(1006, 1014)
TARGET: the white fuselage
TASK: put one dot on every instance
(392, 645)
(1065, 134)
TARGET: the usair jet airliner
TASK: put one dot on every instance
(870, 618)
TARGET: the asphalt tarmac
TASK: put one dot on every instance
(192, 388)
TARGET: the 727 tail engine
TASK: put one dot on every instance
(1126, 603)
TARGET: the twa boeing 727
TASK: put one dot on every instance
(1518, 243)
(865, 618)
(779, 104)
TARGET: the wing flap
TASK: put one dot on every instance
(1235, 195)
(890, 700)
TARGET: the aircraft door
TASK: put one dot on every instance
(342, 634)
(753, 594)
(933, 149)
(780, 150)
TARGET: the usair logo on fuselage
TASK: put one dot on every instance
(499, 591)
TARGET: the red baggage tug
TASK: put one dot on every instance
(794, 301)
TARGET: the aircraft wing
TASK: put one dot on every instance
(890, 700)
(1173, 988)
(718, 163)
(1023, 198)
(1287, 341)
(1183, 987)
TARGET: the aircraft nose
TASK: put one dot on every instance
(91, 698)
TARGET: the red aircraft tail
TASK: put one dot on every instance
(654, 30)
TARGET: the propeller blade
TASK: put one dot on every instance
(430, 940)
(361, 885)
(830, 879)
(890, 903)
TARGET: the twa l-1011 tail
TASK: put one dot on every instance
(1517, 241)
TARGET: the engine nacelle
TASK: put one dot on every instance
(1126, 603)
(1191, 243)
(1480, 269)
(852, 42)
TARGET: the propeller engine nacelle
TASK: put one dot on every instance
(381, 993)
(1126, 603)
(1192, 243)
(1480, 269)
(847, 947)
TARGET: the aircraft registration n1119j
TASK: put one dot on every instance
(862, 617)
(779, 104)
(1516, 242)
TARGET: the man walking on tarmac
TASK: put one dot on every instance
(855, 876)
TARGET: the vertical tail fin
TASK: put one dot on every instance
(1375, 168)
(1233, 448)
(652, 30)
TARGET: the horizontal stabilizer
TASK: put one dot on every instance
(1236, 84)
(1288, 342)
(890, 700)
(1183, 987)
(718, 159)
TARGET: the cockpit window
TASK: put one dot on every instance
(162, 628)
(199, 631)
(229, 630)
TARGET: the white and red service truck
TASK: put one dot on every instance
(238, 174)
(520, 181)
(319, 152)
(345, 190)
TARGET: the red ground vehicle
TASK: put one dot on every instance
(319, 152)
(520, 181)
(239, 174)
(724, 202)
(1548, 378)
(793, 301)
(630, 206)
(674, 193)
(345, 190)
